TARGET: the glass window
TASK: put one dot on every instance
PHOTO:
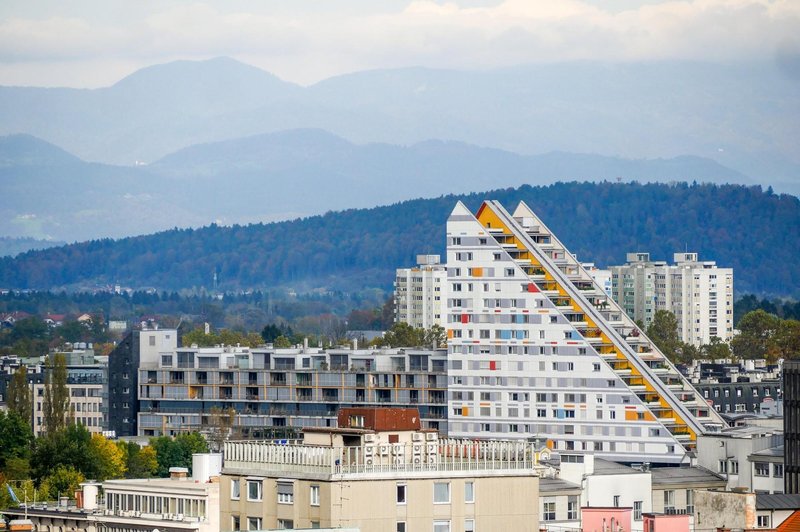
(469, 525)
(285, 524)
(669, 499)
(314, 496)
(469, 491)
(778, 468)
(401, 526)
(549, 510)
(235, 489)
(401, 494)
(285, 492)
(441, 526)
(253, 523)
(441, 493)
(762, 469)
(253, 490)
(235, 523)
(572, 507)
(637, 510)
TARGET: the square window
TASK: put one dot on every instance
(253, 523)
(469, 525)
(441, 493)
(254, 490)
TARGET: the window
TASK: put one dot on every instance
(235, 523)
(572, 507)
(235, 490)
(441, 493)
(723, 466)
(778, 470)
(689, 501)
(734, 469)
(549, 510)
(637, 510)
(285, 524)
(761, 469)
(616, 501)
(401, 526)
(314, 495)
(285, 492)
(401, 494)
(669, 500)
(441, 526)
(253, 523)
(469, 491)
(763, 521)
(253, 490)
(469, 525)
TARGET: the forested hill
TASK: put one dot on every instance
(756, 232)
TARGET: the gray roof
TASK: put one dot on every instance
(607, 467)
(551, 485)
(776, 452)
(777, 501)
(684, 475)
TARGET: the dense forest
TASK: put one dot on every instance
(754, 231)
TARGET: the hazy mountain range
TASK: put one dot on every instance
(746, 117)
(48, 193)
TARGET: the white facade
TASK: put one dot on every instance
(699, 293)
(520, 369)
(419, 293)
(85, 403)
(747, 457)
(602, 278)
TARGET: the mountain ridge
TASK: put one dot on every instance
(746, 116)
(357, 249)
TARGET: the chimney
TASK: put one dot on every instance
(178, 472)
(89, 497)
(305, 344)
(355, 344)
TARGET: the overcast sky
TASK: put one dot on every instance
(95, 43)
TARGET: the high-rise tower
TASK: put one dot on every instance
(539, 350)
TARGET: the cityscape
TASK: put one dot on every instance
(400, 266)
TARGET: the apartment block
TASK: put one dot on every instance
(537, 350)
(377, 473)
(139, 346)
(791, 424)
(420, 293)
(278, 391)
(699, 293)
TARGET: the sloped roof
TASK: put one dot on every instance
(777, 501)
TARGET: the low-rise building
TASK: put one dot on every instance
(176, 504)
(378, 472)
(729, 453)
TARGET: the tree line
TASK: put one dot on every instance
(359, 248)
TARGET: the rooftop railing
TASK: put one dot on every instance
(414, 457)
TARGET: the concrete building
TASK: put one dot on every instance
(538, 350)
(601, 278)
(726, 510)
(699, 293)
(420, 293)
(123, 375)
(780, 512)
(748, 457)
(276, 392)
(376, 472)
(180, 503)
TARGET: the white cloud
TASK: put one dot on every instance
(305, 44)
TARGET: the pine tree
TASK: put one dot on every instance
(56, 394)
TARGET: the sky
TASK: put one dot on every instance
(96, 43)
